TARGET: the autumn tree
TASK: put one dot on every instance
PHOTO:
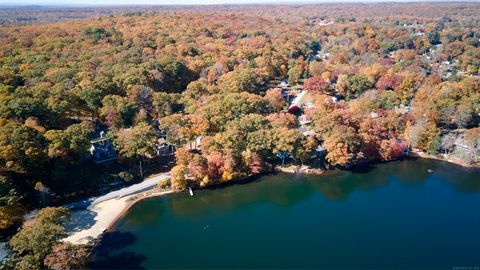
(295, 75)
(198, 168)
(138, 141)
(32, 244)
(21, 148)
(275, 99)
(387, 100)
(392, 149)
(283, 119)
(140, 96)
(343, 146)
(240, 80)
(249, 123)
(216, 165)
(220, 109)
(117, 111)
(255, 162)
(325, 121)
(471, 154)
(356, 84)
(169, 75)
(67, 256)
(11, 198)
(195, 92)
(389, 82)
(75, 139)
(182, 129)
(315, 84)
(179, 177)
(287, 143)
(406, 89)
(423, 135)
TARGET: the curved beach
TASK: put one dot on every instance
(89, 223)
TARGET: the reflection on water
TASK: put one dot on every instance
(285, 190)
(380, 217)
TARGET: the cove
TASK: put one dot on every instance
(391, 216)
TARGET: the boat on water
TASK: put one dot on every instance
(190, 191)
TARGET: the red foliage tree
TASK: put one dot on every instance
(274, 97)
(389, 82)
(254, 162)
(198, 167)
(282, 119)
(216, 165)
(315, 84)
(391, 149)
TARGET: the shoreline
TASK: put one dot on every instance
(420, 154)
(110, 211)
(93, 237)
(134, 199)
(88, 224)
(300, 169)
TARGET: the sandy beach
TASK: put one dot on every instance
(90, 223)
(105, 214)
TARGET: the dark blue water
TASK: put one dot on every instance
(391, 216)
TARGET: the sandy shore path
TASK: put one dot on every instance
(89, 224)
(98, 214)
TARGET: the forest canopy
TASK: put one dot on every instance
(233, 90)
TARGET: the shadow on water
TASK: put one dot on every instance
(339, 186)
(364, 168)
(104, 256)
(246, 180)
(284, 193)
(286, 190)
(462, 178)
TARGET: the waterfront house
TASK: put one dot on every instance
(165, 148)
(102, 150)
(304, 99)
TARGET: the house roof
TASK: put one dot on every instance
(303, 98)
(293, 109)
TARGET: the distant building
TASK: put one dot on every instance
(320, 149)
(303, 100)
(307, 132)
(102, 150)
(194, 144)
(294, 109)
(283, 84)
(4, 252)
(325, 23)
(164, 148)
(323, 56)
(303, 119)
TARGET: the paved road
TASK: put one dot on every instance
(147, 184)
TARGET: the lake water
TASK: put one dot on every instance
(391, 216)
